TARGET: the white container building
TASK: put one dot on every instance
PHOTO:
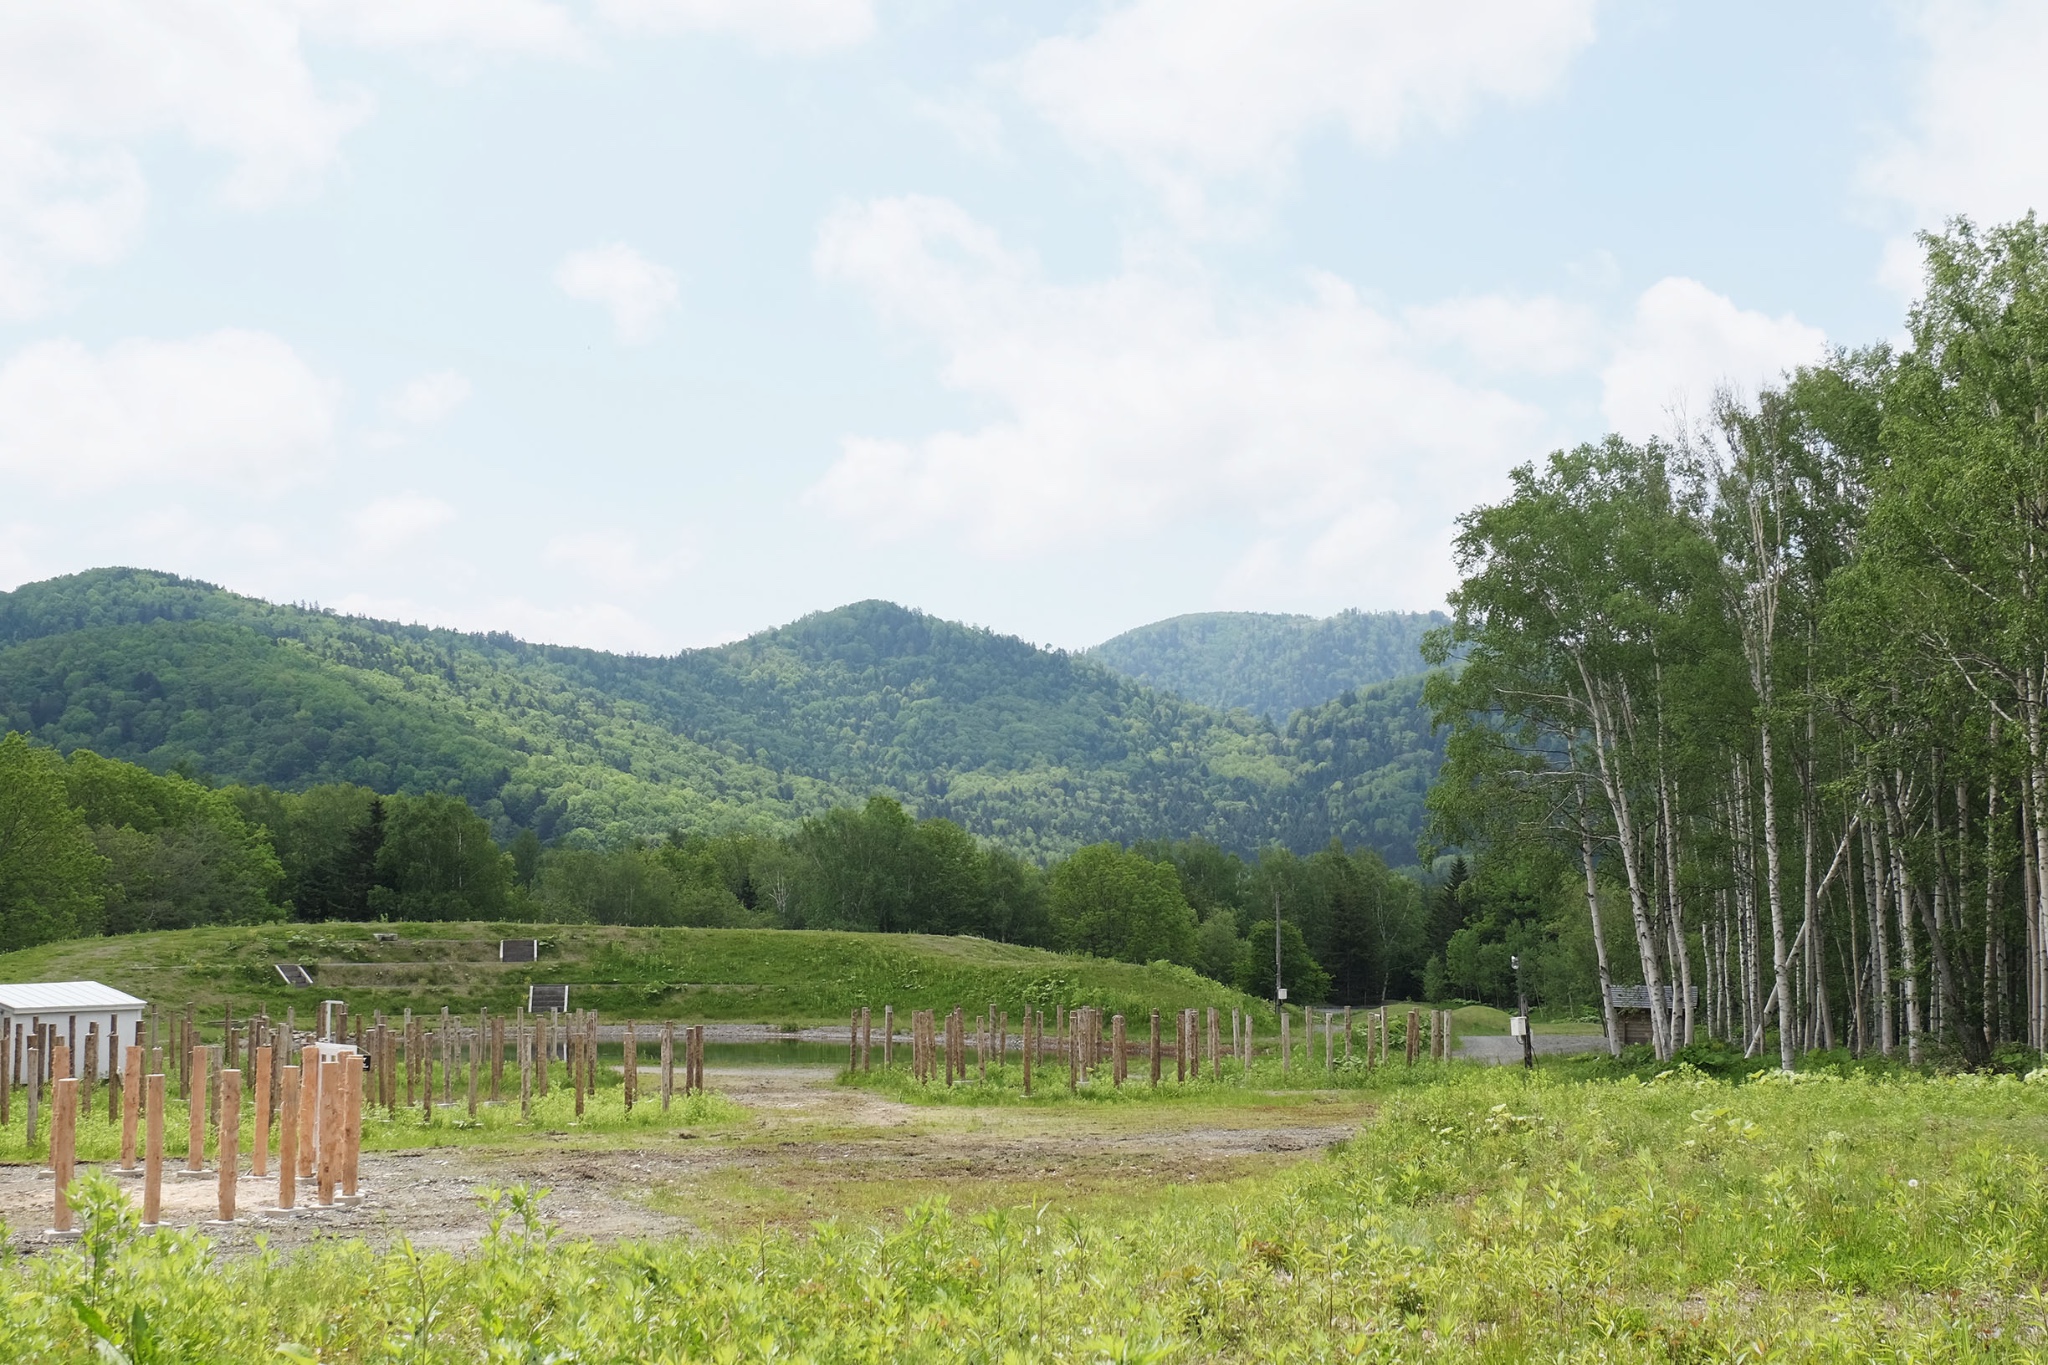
(71, 1008)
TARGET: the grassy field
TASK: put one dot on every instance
(1486, 1215)
(768, 976)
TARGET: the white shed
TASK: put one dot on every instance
(71, 1008)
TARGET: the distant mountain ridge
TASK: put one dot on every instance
(1041, 750)
(1272, 665)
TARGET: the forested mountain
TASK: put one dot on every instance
(1266, 663)
(1040, 750)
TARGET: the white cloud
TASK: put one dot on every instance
(1684, 342)
(634, 289)
(788, 26)
(1974, 145)
(612, 560)
(429, 398)
(1539, 335)
(528, 27)
(391, 521)
(1130, 404)
(1191, 91)
(231, 408)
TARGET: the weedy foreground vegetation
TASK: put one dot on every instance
(1486, 1216)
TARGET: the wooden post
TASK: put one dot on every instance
(1030, 1040)
(1329, 1040)
(63, 1148)
(1414, 1029)
(328, 1156)
(1155, 1047)
(577, 1072)
(629, 1067)
(195, 1150)
(230, 1141)
(853, 1042)
(1284, 1050)
(153, 1148)
(309, 1107)
(981, 1042)
(888, 1036)
(475, 1040)
(1003, 1041)
(259, 1154)
(131, 1105)
(668, 1064)
(1248, 1042)
(288, 1139)
(1384, 1031)
(1117, 1065)
(867, 1024)
(1347, 1033)
(351, 1127)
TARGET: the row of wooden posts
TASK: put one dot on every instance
(1085, 1036)
(408, 1059)
(319, 1129)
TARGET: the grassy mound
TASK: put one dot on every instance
(771, 976)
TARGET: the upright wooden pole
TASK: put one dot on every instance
(230, 1141)
(1414, 1034)
(629, 1067)
(309, 1107)
(195, 1148)
(63, 1149)
(1155, 1047)
(668, 1064)
(1284, 1049)
(259, 1153)
(351, 1127)
(153, 1148)
(888, 1036)
(1030, 1041)
(329, 1154)
(1120, 1055)
(288, 1139)
(867, 1025)
(131, 1105)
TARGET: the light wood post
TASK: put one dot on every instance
(629, 1067)
(63, 1149)
(230, 1141)
(867, 1038)
(668, 1064)
(351, 1126)
(288, 1139)
(259, 1151)
(152, 1148)
(1413, 1038)
(131, 1105)
(328, 1156)
(476, 1056)
(888, 1036)
(1030, 1041)
(526, 1041)
(195, 1140)
(1121, 1055)
(309, 1107)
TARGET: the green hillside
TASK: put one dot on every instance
(1038, 749)
(1269, 664)
(768, 976)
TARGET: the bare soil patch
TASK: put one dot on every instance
(812, 1149)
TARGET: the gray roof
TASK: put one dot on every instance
(64, 997)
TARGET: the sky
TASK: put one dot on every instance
(647, 324)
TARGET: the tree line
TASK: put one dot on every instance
(90, 845)
(1765, 700)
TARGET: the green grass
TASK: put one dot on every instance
(1488, 1216)
(771, 976)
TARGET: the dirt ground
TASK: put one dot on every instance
(808, 1150)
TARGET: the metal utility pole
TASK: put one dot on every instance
(1522, 1001)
